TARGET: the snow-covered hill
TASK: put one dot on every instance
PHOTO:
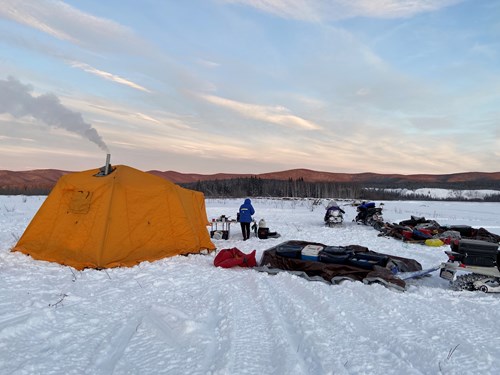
(182, 315)
(434, 193)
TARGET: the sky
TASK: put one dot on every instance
(251, 86)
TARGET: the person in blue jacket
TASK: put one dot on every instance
(246, 212)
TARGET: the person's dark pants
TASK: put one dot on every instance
(245, 230)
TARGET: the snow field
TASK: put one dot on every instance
(182, 315)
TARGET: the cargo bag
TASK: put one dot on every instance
(367, 261)
(477, 252)
(335, 254)
(289, 250)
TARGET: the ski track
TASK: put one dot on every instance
(302, 321)
(244, 333)
(113, 347)
(343, 325)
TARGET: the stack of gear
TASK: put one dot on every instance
(431, 233)
(333, 264)
(263, 231)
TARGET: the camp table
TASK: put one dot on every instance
(221, 225)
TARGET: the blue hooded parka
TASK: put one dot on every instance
(246, 211)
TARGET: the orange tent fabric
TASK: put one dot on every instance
(120, 219)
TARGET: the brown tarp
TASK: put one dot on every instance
(334, 273)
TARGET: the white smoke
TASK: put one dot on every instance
(16, 99)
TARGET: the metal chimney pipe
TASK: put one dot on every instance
(106, 169)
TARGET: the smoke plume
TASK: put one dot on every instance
(16, 99)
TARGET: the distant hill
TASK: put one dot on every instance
(184, 178)
(29, 180)
(46, 178)
(317, 176)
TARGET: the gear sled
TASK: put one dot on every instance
(478, 264)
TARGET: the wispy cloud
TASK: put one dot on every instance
(109, 113)
(106, 75)
(391, 8)
(208, 63)
(321, 10)
(35, 152)
(484, 50)
(17, 139)
(36, 15)
(293, 9)
(364, 91)
(278, 115)
(67, 23)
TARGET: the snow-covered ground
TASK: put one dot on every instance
(448, 194)
(182, 315)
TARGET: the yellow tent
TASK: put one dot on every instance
(119, 219)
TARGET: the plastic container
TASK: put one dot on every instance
(339, 258)
(474, 247)
(289, 251)
(335, 254)
(263, 233)
(219, 234)
(477, 252)
(311, 252)
(337, 250)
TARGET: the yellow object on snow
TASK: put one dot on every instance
(434, 242)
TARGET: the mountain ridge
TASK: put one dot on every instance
(48, 177)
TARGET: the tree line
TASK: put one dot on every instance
(255, 186)
(25, 190)
(297, 188)
(258, 187)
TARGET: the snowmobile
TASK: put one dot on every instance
(334, 215)
(478, 263)
(368, 214)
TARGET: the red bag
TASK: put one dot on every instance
(426, 231)
(407, 234)
(227, 258)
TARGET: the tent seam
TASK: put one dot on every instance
(99, 261)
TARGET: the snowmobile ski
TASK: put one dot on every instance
(417, 274)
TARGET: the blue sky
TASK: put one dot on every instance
(251, 86)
